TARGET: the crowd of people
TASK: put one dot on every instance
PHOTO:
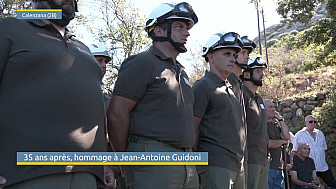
(52, 99)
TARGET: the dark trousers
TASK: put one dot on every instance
(327, 177)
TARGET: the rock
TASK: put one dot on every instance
(313, 102)
(294, 106)
(301, 103)
(299, 112)
(287, 116)
(295, 120)
(308, 107)
(312, 97)
(320, 96)
(286, 110)
(287, 102)
(280, 107)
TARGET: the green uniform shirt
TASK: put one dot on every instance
(257, 137)
(163, 95)
(50, 98)
(237, 85)
(274, 133)
(221, 131)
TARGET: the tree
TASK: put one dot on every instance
(198, 64)
(326, 115)
(122, 29)
(8, 7)
(303, 11)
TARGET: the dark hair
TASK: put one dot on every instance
(163, 25)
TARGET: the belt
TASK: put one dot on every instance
(135, 138)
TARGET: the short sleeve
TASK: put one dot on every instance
(295, 141)
(294, 168)
(324, 144)
(133, 78)
(201, 98)
(312, 164)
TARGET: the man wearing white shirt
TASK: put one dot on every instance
(316, 140)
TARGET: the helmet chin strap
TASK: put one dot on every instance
(178, 46)
(242, 66)
(256, 82)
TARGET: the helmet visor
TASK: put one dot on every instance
(256, 63)
(248, 43)
(183, 10)
(230, 39)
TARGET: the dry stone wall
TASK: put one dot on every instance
(295, 109)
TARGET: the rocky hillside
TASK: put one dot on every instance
(283, 28)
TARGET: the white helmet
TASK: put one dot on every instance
(256, 62)
(168, 11)
(248, 44)
(99, 50)
(222, 40)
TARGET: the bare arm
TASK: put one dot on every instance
(315, 179)
(273, 144)
(296, 181)
(118, 121)
(197, 121)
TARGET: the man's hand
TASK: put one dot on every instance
(278, 116)
(110, 175)
(314, 185)
(289, 167)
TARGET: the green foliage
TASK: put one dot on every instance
(8, 7)
(198, 64)
(124, 31)
(330, 60)
(326, 115)
(298, 10)
(317, 43)
(274, 34)
(271, 42)
(331, 8)
(119, 25)
(293, 32)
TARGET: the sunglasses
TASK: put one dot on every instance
(312, 121)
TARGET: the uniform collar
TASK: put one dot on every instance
(39, 22)
(216, 79)
(160, 54)
(47, 23)
(250, 92)
(234, 77)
